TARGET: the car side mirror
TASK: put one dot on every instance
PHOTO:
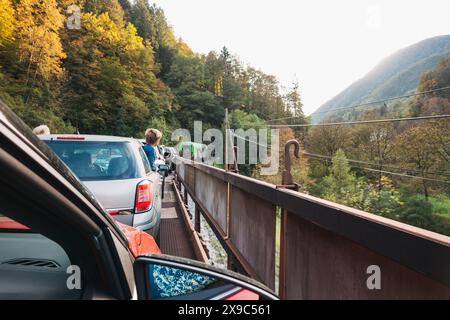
(163, 169)
(174, 278)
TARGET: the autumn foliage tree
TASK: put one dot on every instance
(39, 45)
(7, 22)
(113, 89)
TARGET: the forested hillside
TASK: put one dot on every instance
(396, 169)
(122, 72)
(398, 74)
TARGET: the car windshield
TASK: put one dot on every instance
(92, 160)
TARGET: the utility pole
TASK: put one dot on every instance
(230, 149)
(226, 125)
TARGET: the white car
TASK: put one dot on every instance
(117, 172)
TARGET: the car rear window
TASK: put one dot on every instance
(94, 161)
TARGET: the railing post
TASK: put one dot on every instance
(197, 220)
(231, 265)
(287, 182)
(185, 196)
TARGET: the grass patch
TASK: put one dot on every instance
(441, 205)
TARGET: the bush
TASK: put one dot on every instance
(320, 188)
(441, 204)
(417, 211)
(385, 201)
(441, 224)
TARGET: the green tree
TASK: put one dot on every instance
(437, 102)
(340, 181)
(112, 7)
(374, 143)
(153, 27)
(385, 199)
(418, 212)
(325, 140)
(294, 102)
(417, 149)
(186, 78)
(239, 119)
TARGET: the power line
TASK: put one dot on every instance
(441, 173)
(398, 174)
(254, 142)
(366, 104)
(443, 116)
(286, 118)
(322, 157)
(404, 175)
(376, 164)
(384, 100)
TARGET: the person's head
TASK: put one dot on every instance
(41, 130)
(153, 136)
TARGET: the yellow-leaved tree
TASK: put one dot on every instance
(39, 46)
(7, 21)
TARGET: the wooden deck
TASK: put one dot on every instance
(175, 239)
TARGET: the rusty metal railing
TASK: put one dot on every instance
(327, 250)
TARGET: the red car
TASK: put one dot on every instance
(57, 242)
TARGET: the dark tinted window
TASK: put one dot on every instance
(92, 161)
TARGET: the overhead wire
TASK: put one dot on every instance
(397, 174)
(324, 124)
(362, 162)
(441, 173)
(367, 104)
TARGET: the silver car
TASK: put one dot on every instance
(117, 172)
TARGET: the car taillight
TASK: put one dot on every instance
(70, 138)
(144, 197)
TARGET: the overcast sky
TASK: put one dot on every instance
(324, 44)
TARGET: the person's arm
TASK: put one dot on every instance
(150, 152)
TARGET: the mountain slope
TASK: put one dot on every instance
(396, 75)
